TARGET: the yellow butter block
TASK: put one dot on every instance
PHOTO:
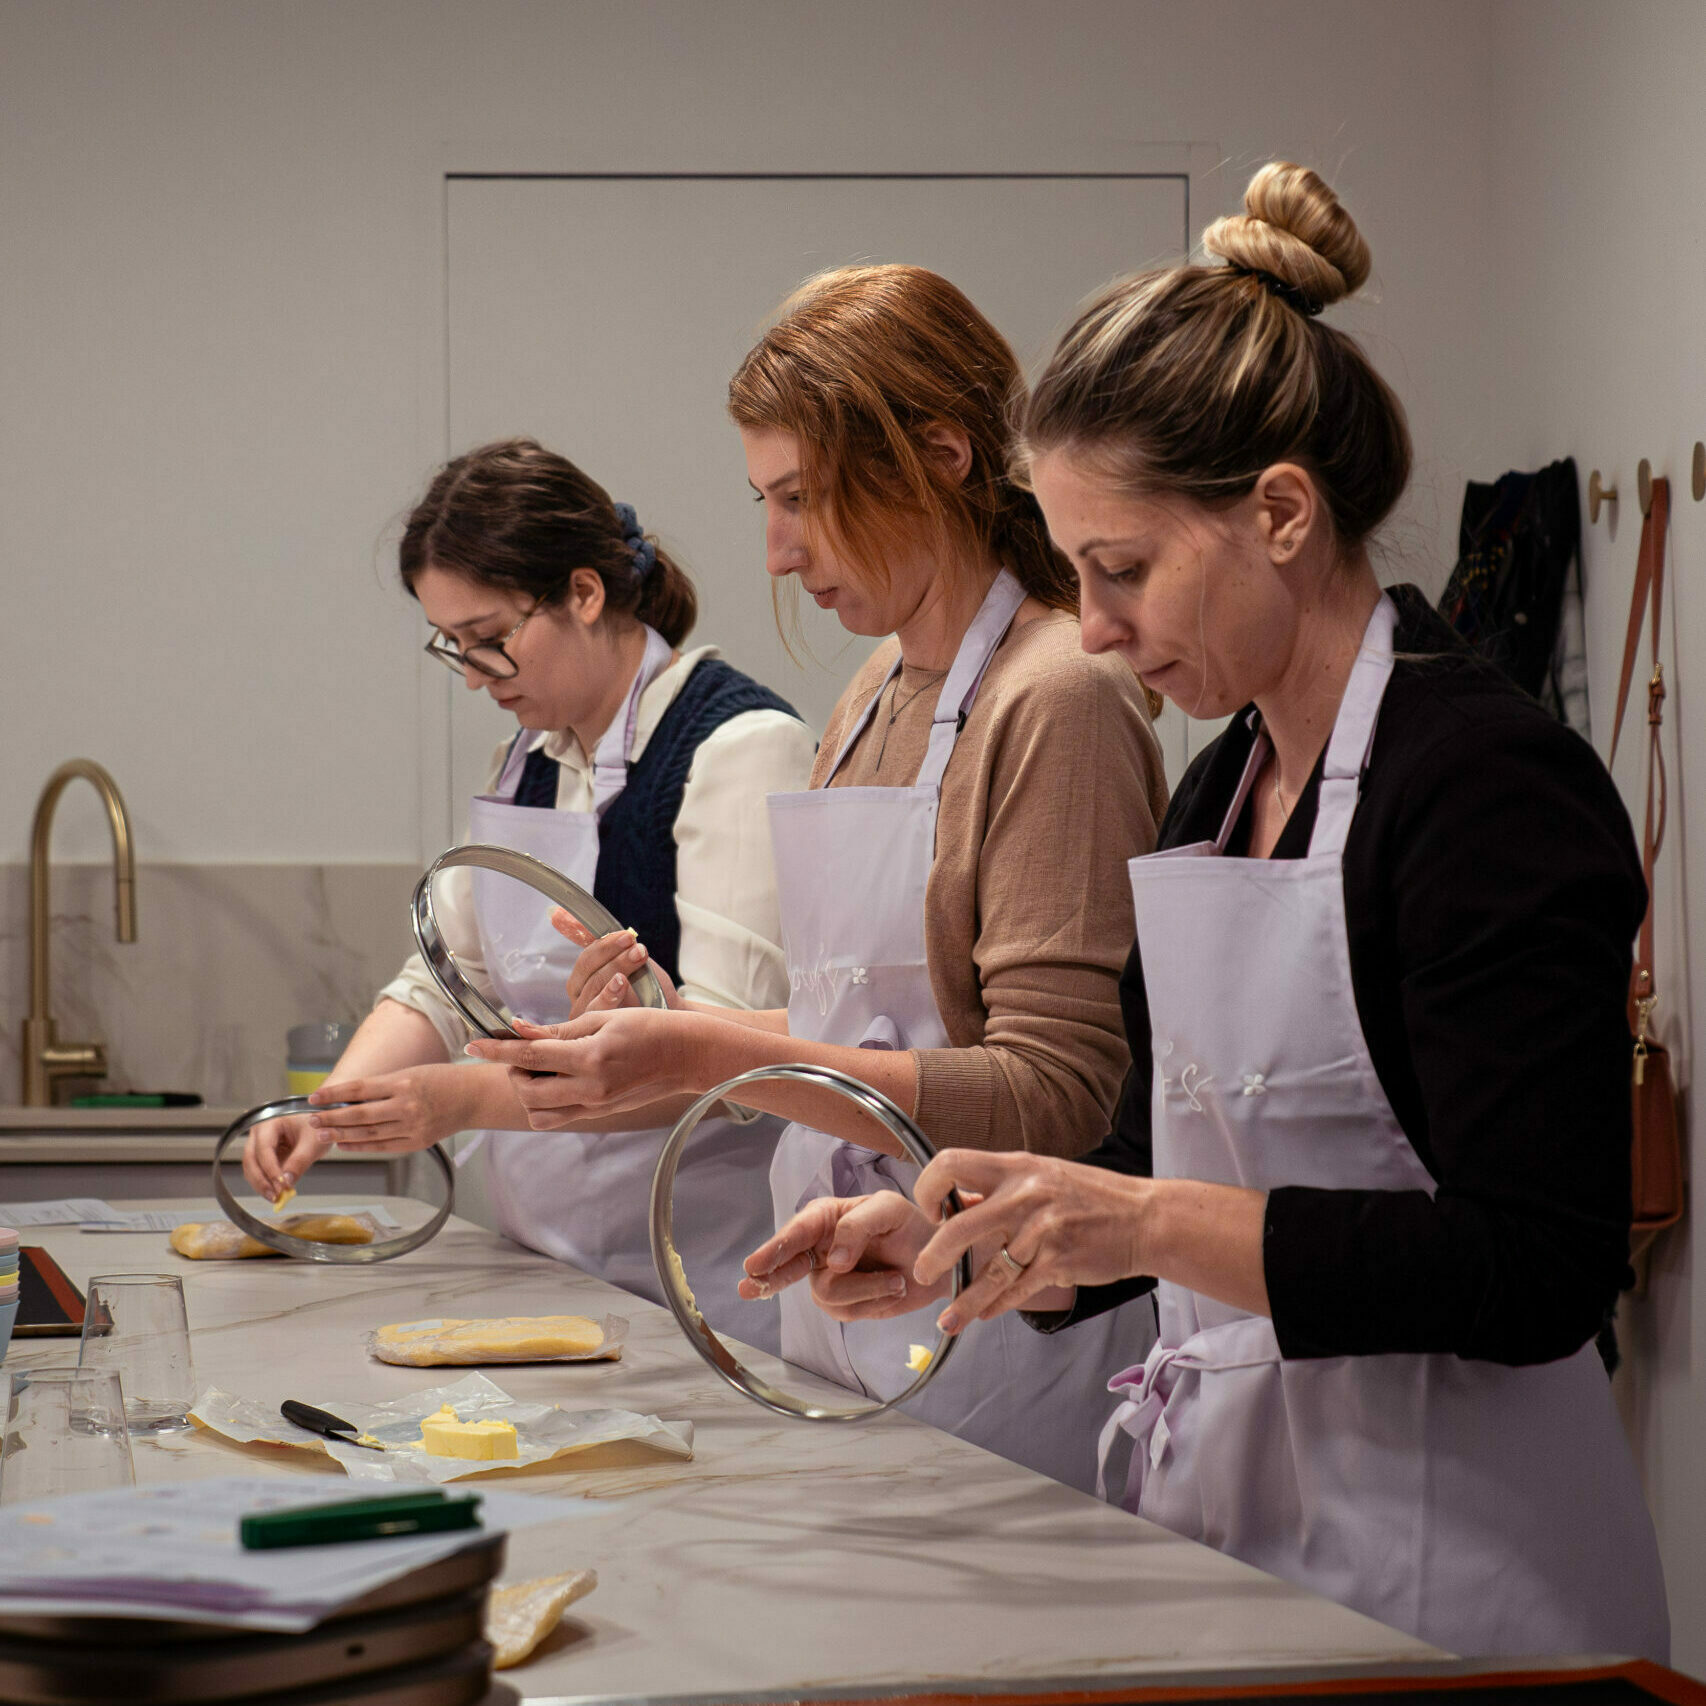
(510, 1338)
(284, 1199)
(443, 1435)
(920, 1358)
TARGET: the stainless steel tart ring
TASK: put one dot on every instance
(679, 1294)
(479, 1014)
(306, 1249)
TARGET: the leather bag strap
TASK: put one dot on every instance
(1649, 593)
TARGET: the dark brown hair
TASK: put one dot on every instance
(861, 362)
(1193, 379)
(517, 516)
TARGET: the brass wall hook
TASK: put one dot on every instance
(1699, 482)
(1599, 494)
(1644, 487)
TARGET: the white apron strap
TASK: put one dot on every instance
(610, 761)
(1259, 751)
(959, 692)
(994, 617)
(864, 719)
(515, 761)
(1353, 732)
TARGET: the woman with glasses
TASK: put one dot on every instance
(640, 772)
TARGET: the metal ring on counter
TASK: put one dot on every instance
(459, 991)
(307, 1249)
(679, 1294)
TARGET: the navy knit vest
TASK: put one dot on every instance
(636, 840)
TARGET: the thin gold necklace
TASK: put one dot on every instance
(897, 705)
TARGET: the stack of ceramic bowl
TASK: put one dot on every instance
(8, 1286)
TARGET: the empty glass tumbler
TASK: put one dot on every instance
(136, 1324)
(65, 1433)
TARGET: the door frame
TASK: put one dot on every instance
(1209, 192)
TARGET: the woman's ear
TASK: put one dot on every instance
(1288, 511)
(586, 596)
(950, 449)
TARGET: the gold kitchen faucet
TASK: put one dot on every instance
(46, 1059)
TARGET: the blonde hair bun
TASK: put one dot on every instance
(1294, 229)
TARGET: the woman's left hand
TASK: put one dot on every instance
(1065, 1224)
(602, 1063)
(603, 972)
(856, 1251)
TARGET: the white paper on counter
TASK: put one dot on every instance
(172, 1552)
(543, 1431)
(169, 1219)
(67, 1211)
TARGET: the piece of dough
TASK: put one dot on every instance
(520, 1616)
(220, 1241)
(284, 1199)
(512, 1338)
(919, 1360)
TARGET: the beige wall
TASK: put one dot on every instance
(222, 345)
(1597, 247)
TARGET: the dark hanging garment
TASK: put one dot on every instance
(1515, 594)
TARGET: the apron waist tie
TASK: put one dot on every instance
(1147, 1388)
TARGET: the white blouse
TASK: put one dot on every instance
(725, 878)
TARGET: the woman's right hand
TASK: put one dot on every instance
(278, 1153)
(600, 977)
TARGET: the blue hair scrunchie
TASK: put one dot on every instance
(645, 552)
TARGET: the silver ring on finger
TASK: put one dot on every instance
(1011, 1266)
(811, 1260)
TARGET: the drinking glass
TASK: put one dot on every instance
(65, 1433)
(135, 1324)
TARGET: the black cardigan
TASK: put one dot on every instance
(1492, 894)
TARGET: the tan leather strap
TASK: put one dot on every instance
(1649, 593)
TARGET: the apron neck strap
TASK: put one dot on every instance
(1260, 747)
(1353, 731)
(988, 627)
(515, 761)
(610, 759)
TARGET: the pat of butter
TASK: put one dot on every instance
(283, 1200)
(443, 1435)
(680, 1273)
(920, 1358)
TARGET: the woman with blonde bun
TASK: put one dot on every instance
(1374, 1154)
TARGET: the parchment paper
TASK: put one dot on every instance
(543, 1431)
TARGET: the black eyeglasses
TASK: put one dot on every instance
(487, 656)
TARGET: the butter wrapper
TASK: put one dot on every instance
(544, 1432)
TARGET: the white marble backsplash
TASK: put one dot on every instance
(226, 959)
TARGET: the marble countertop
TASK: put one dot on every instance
(785, 1555)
